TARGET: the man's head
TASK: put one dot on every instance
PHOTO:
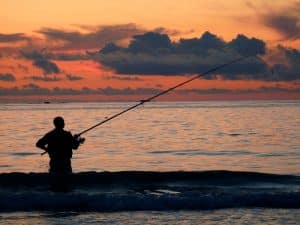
(59, 122)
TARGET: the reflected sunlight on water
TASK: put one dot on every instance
(241, 135)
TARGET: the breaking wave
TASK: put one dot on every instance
(134, 190)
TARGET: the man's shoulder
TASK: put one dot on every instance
(68, 132)
(51, 132)
(58, 132)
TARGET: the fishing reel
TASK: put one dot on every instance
(79, 139)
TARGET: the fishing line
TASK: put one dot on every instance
(162, 93)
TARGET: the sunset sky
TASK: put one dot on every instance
(129, 49)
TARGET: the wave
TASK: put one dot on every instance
(140, 190)
(94, 179)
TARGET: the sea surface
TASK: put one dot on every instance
(261, 136)
(214, 162)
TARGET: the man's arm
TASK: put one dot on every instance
(42, 143)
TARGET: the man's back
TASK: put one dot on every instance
(60, 144)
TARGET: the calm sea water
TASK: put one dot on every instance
(262, 136)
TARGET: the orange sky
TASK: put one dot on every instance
(225, 18)
(182, 19)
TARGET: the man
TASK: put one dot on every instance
(59, 144)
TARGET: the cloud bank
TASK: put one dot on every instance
(155, 54)
(33, 89)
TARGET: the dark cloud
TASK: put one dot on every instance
(163, 30)
(43, 78)
(95, 39)
(125, 78)
(286, 25)
(200, 46)
(40, 60)
(262, 89)
(72, 77)
(286, 20)
(28, 89)
(150, 43)
(47, 78)
(33, 89)
(289, 70)
(109, 48)
(46, 65)
(67, 57)
(12, 37)
(248, 46)
(155, 54)
(127, 91)
(7, 77)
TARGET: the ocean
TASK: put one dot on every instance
(208, 162)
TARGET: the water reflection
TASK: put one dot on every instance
(259, 136)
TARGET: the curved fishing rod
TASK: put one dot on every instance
(161, 93)
(164, 92)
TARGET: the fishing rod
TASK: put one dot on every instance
(161, 93)
(164, 92)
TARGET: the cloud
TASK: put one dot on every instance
(127, 91)
(286, 25)
(287, 70)
(96, 37)
(125, 78)
(12, 37)
(200, 46)
(72, 77)
(248, 46)
(262, 89)
(44, 78)
(155, 54)
(40, 60)
(33, 89)
(150, 42)
(7, 77)
(90, 40)
(66, 56)
(46, 65)
(285, 20)
(47, 78)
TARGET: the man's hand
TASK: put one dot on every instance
(79, 139)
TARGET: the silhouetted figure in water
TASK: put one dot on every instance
(59, 144)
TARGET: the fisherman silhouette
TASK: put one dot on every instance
(59, 145)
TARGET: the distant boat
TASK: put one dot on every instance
(47, 102)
